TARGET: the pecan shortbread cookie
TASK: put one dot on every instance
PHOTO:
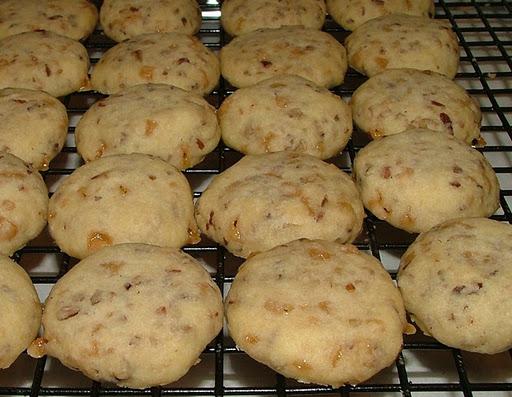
(126, 198)
(142, 318)
(166, 58)
(317, 311)
(286, 113)
(403, 41)
(455, 280)
(270, 199)
(418, 179)
(165, 121)
(125, 19)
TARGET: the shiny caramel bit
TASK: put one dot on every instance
(97, 240)
(302, 365)
(350, 287)
(37, 348)
(193, 236)
(251, 339)
(337, 356)
(316, 253)
(278, 308)
(8, 230)
(150, 127)
(101, 150)
(146, 72)
(123, 189)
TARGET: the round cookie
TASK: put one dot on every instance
(167, 58)
(455, 280)
(285, 113)
(127, 198)
(23, 203)
(165, 121)
(33, 126)
(270, 199)
(400, 99)
(351, 14)
(240, 16)
(141, 319)
(403, 41)
(418, 179)
(74, 19)
(125, 19)
(20, 311)
(265, 53)
(317, 311)
(59, 70)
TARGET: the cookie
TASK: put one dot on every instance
(403, 41)
(271, 199)
(166, 58)
(317, 311)
(125, 19)
(20, 311)
(59, 70)
(126, 198)
(265, 53)
(74, 19)
(142, 318)
(351, 14)
(455, 280)
(165, 121)
(23, 203)
(400, 99)
(285, 113)
(33, 126)
(241, 16)
(418, 179)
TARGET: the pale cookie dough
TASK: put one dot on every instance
(265, 53)
(165, 121)
(75, 19)
(400, 99)
(141, 319)
(351, 14)
(403, 41)
(286, 113)
(242, 16)
(127, 198)
(23, 203)
(125, 19)
(418, 179)
(33, 126)
(270, 199)
(455, 281)
(43, 61)
(167, 58)
(317, 311)
(20, 311)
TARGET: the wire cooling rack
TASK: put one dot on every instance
(484, 29)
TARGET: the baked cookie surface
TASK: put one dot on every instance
(317, 311)
(418, 179)
(455, 283)
(270, 199)
(240, 16)
(265, 53)
(59, 70)
(74, 19)
(400, 99)
(166, 58)
(33, 126)
(403, 41)
(20, 311)
(130, 198)
(165, 121)
(351, 14)
(285, 113)
(142, 318)
(125, 19)
(23, 203)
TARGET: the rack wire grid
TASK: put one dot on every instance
(484, 29)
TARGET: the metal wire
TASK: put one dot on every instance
(487, 18)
